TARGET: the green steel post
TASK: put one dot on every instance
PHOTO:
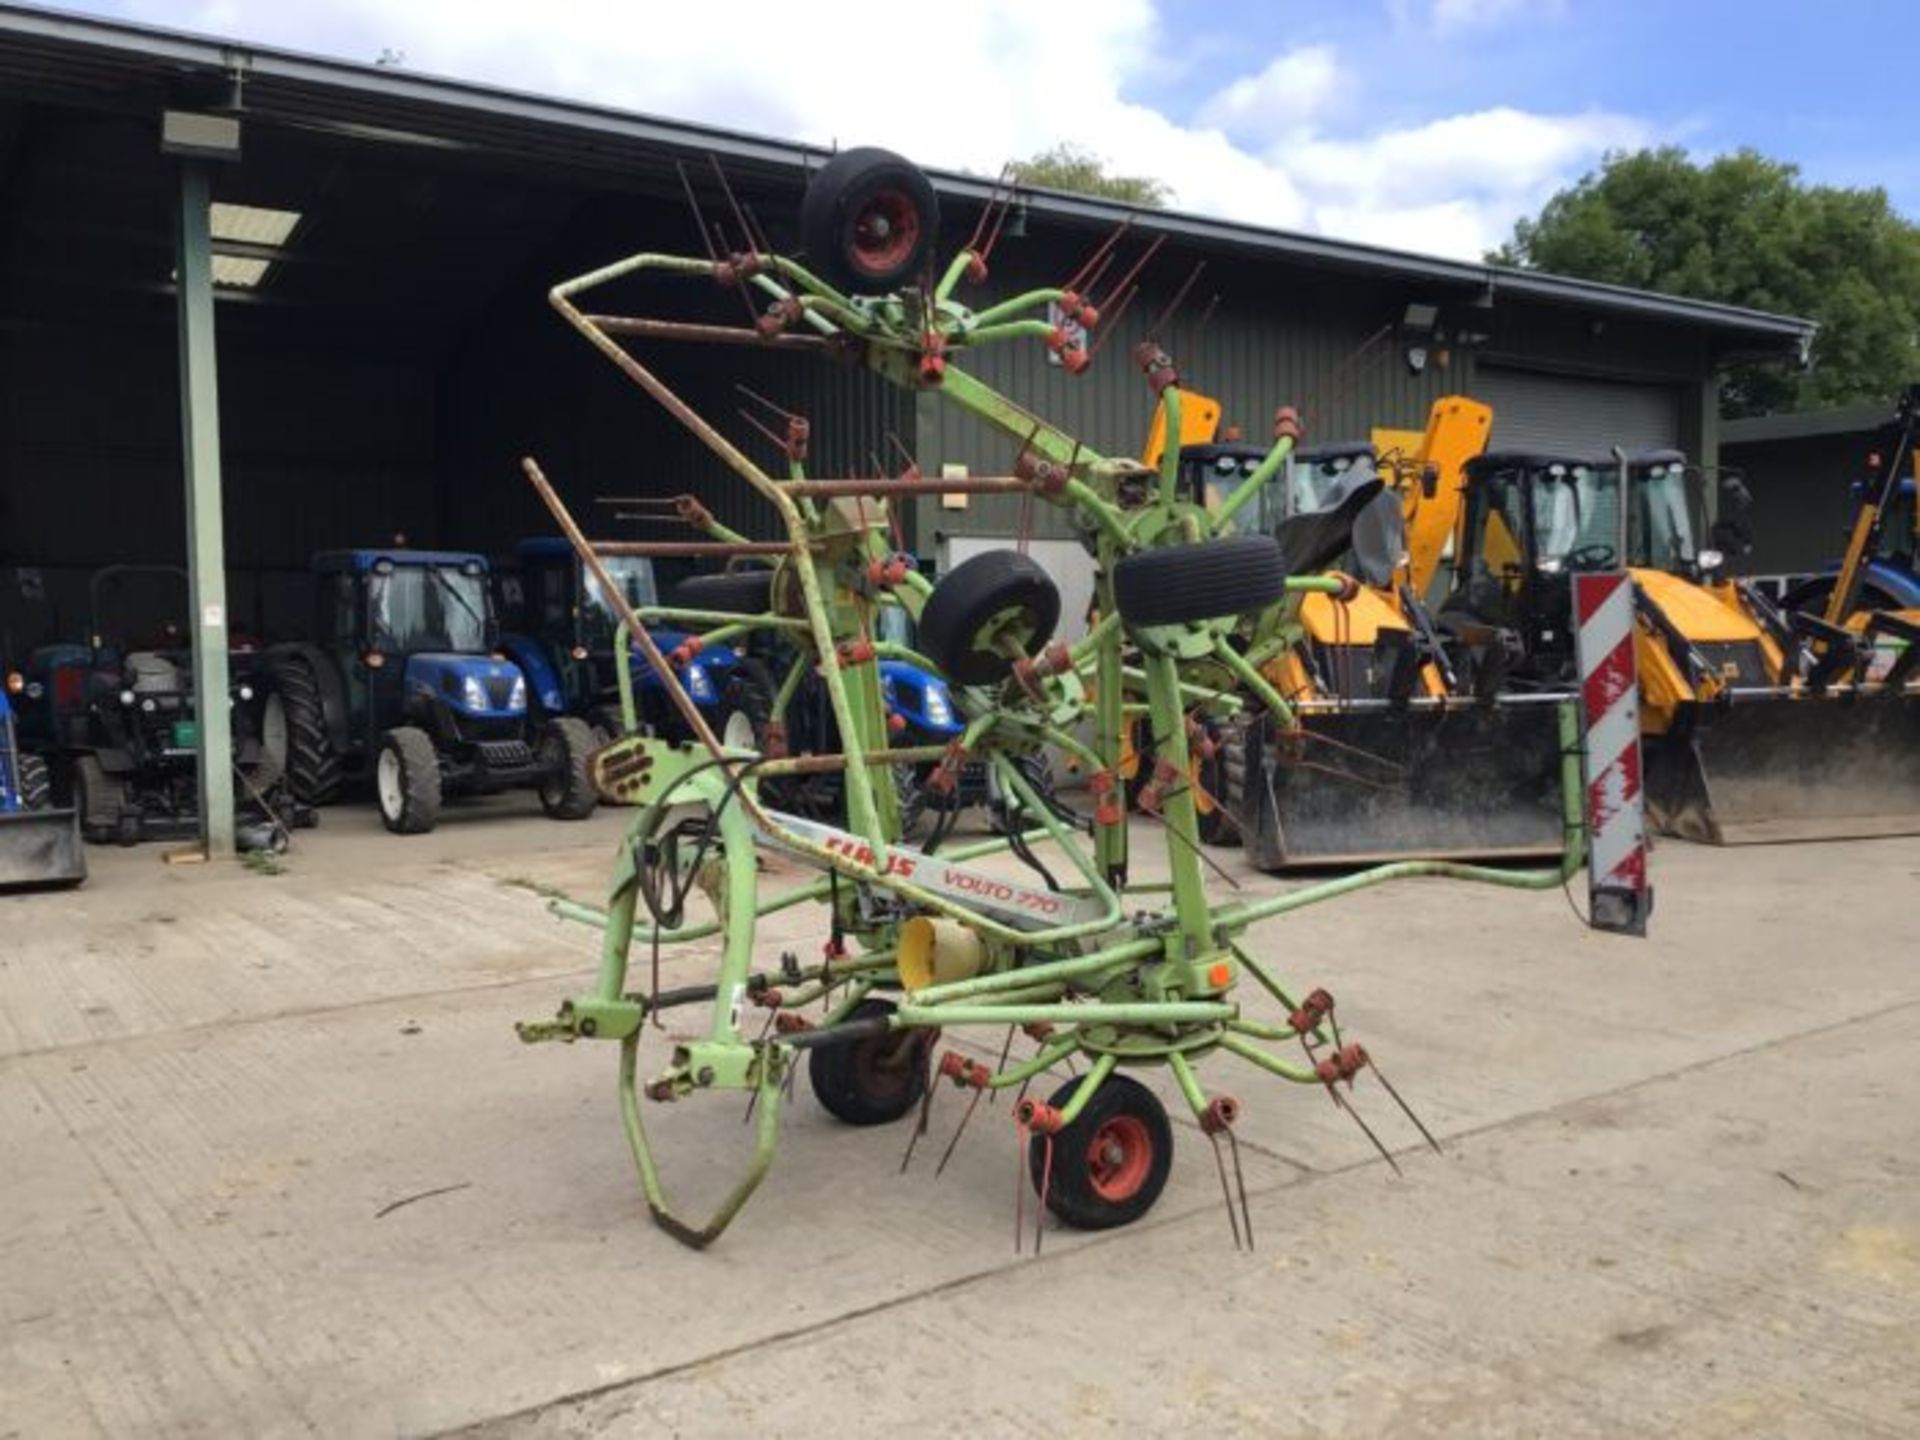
(1177, 810)
(206, 550)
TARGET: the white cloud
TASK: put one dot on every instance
(1287, 143)
(1469, 14)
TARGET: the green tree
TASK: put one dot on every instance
(1069, 167)
(1745, 230)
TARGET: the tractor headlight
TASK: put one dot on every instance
(1552, 565)
(126, 697)
(472, 693)
(149, 705)
(245, 692)
(517, 697)
(1709, 561)
(939, 708)
(699, 684)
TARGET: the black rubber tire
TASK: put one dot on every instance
(36, 787)
(852, 193)
(873, 1081)
(1179, 584)
(749, 694)
(737, 592)
(1123, 1112)
(916, 811)
(101, 800)
(313, 765)
(977, 597)
(419, 792)
(1224, 777)
(567, 744)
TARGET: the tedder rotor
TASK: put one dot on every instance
(1104, 970)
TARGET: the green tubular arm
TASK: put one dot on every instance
(1053, 972)
(693, 619)
(1247, 1050)
(1170, 448)
(1095, 1077)
(789, 686)
(887, 650)
(1050, 1056)
(956, 270)
(1010, 776)
(1188, 1082)
(915, 1015)
(1262, 690)
(1016, 306)
(1244, 493)
(1009, 330)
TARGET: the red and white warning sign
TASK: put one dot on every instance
(1619, 896)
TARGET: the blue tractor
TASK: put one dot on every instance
(39, 845)
(403, 683)
(562, 634)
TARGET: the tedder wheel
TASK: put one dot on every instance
(1112, 1162)
(566, 786)
(737, 592)
(872, 1081)
(313, 765)
(101, 800)
(869, 221)
(406, 780)
(1234, 575)
(36, 790)
(999, 595)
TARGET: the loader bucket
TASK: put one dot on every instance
(40, 848)
(1774, 767)
(1370, 783)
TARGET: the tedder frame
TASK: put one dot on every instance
(1120, 975)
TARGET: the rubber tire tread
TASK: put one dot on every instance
(845, 180)
(313, 765)
(101, 800)
(971, 594)
(835, 1077)
(736, 592)
(35, 785)
(1071, 1195)
(419, 781)
(575, 799)
(1181, 584)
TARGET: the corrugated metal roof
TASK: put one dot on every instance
(1807, 424)
(43, 52)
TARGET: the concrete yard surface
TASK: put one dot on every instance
(272, 1162)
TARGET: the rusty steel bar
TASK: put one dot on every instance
(710, 334)
(694, 547)
(839, 760)
(881, 485)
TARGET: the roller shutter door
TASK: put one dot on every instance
(1564, 414)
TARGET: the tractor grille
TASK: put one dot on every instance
(1738, 662)
(499, 691)
(484, 729)
(506, 754)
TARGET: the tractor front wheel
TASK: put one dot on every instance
(406, 780)
(566, 786)
(746, 707)
(874, 1080)
(1110, 1165)
(312, 764)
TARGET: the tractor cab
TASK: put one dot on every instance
(561, 633)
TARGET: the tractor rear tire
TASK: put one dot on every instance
(101, 800)
(1112, 1162)
(566, 747)
(313, 765)
(736, 592)
(871, 1081)
(869, 221)
(36, 789)
(996, 592)
(1182, 584)
(406, 776)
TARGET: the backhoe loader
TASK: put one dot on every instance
(1390, 757)
(1746, 739)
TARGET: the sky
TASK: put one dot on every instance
(1427, 125)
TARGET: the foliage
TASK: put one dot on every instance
(1745, 230)
(1069, 167)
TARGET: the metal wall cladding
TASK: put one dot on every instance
(1322, 342)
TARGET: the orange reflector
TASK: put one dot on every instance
(15, 682)
(374, 659)
(1219, 974)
